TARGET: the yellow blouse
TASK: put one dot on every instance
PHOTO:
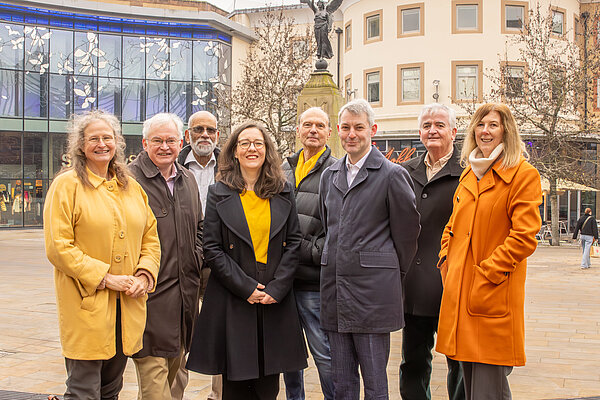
(304, 167)
(258, 217)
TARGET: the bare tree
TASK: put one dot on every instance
(543, 78)
(274, 72)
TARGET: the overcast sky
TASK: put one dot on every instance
(228, 5)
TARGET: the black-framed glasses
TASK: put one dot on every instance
(245, 144)
(198, 129)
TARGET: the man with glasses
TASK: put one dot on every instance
(172, 309)
(201, 157)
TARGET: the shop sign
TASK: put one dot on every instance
(405, 155)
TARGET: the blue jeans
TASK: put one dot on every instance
(309, 311)
(586, 246)
(370, 352)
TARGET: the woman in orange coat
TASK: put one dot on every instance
(485, 244)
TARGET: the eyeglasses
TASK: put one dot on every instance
(199, 129)
(105, 139)
(171, 142)
(245, 144)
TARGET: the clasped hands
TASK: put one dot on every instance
(133, 286)
(258, 296)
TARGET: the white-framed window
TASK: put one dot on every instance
(466, 17)
(411, 20)
(373, 27)
(410, 79)
(514, 80)
(467, 82)
(373, 86)
(348, 36)
(558, 22)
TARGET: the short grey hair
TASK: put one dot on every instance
(160, 119)
(357, 107)
(318, 109)
(433, 108)
(194, 115)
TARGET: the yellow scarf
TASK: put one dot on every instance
(304, 167)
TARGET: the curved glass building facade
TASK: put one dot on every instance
(54, 64)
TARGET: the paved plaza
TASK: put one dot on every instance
(562, 329)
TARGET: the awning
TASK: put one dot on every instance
(566, 185)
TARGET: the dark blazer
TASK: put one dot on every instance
(307, 203)
(423, 283)
(172, 309)
(225, 340)
(371, 238)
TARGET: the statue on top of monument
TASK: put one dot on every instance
(323, 24)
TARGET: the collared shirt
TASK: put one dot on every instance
(354, 168)
(171, 179)
(434, 168)
(205, 176)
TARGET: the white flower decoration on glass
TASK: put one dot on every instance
(200, 95)
(86, 94)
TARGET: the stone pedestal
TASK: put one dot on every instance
(321, 91)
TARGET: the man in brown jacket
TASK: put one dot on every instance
(172, 308)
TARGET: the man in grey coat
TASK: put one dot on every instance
(369, 214)
(173, 307)
(435, 176)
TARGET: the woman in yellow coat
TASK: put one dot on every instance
(483, 255)
(101, 237)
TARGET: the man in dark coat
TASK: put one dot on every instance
(589, 235)
(303, 170)
(201, 157)
(369, 213)
(435, 176)
(173, 307)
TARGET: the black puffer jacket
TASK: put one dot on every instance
(307, 203)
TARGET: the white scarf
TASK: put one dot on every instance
(480, 164)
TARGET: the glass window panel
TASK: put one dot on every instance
(157, 58)
(11, 46)
(11, 194)
(86, 53)
(348, 87)
(58, 153)
(514, 17)
(35, 155)
(133, 100)
(373, 87)
(11, 93)
(36, 94)
(206, 61)
(109, 60)
(515, 81)
(134, 50)
(466, 82)
(61, 52)
(411, 20)
(373, 26)
(557, 22)
(466, 16)
(156, 97)
(181, 59)
(225, 63)
(180, 99)
(348, 36)
(61, 102)
(84, 93)
(34, 191)
(36, 48)
(133, 146)
(411, 84)
(204, 97)
(10, 155)
(109, 95)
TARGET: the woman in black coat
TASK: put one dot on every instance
(248, 328)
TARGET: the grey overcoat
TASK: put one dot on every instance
(371, 237)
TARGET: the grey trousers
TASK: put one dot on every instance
(486, 381)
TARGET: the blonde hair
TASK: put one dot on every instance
(76, 142)
(514, 147)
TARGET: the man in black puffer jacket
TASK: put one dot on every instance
(303, 170)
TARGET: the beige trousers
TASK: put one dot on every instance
(161, 378)
(216, 388)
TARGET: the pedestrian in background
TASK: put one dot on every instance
(248, 328)
(173, 307)
(589, 235)
(483, 256)
(435, 177)
(101, 237)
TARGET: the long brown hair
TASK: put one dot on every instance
(76, 142)
(513, 145)
(270, 179)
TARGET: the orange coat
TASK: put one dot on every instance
(485, 244)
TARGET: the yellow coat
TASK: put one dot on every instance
(89, 232)
(483, 261)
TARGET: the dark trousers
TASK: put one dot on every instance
(97, 379)
(371, 352)
(486, 381)
(263, 388)
(415, 369)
